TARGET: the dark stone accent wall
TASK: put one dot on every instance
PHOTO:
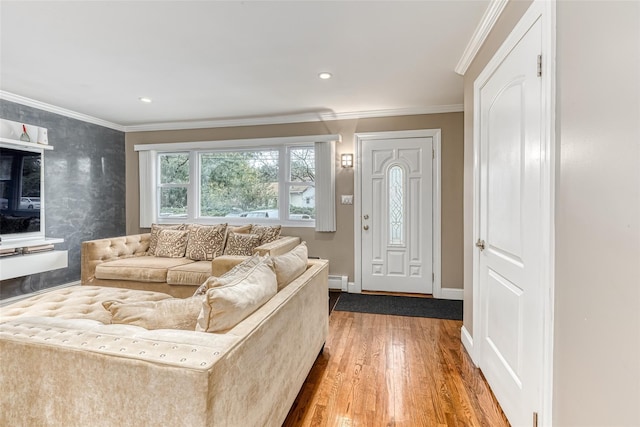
(84, 189)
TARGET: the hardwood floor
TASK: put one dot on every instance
(379, 370)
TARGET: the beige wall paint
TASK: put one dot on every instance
(597, 281)
(505, 24)
(338, 247)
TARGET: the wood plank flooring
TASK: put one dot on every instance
(379, 370)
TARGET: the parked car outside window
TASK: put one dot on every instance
(29, 203)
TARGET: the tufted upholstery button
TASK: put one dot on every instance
(84, 343)
(183, 359)
(163, 355)
(194, 350)
(203, 363)
(142, 352)
(174, 347)
(123, 349)
(102, 347)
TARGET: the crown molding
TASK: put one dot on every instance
(58, 110)
(491, 15)
(293, 118)
(247, 121)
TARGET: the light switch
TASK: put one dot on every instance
(346, 199)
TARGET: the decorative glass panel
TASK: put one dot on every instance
(396, 205)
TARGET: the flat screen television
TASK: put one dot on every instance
(20, 193)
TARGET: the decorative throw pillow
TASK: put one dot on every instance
(241, 244)
(290, 265)
(155, 230)
(242, 229)
(239, 270)
(225, 306)
(171, 313)
(172, 243)
(206, 241)
(267, 233)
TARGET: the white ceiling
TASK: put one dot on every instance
(213, 60)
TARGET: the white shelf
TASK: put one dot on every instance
(25, 243)
(14, 142)
(25, 265)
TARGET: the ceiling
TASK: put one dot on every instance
(236, 60)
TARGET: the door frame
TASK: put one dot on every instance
(359, 138)
(543, 10)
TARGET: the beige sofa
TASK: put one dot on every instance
(124, 262)
(63, 366)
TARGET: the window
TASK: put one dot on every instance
(288, 181)
(239, 183)
(173, 185)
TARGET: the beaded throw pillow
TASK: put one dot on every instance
(241, 244)
(171, 243)
(206, 241)
(155, 230)
(267, 233)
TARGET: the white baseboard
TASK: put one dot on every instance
(353, 289)
(17, 298)
(467, 342)
(451, 293)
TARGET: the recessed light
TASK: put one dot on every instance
(325, 75)
(145, 99)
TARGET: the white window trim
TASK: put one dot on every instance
(148, 155)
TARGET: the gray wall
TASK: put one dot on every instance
(84, 189)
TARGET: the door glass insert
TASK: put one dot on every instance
(396, 205)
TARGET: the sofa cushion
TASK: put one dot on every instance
(290, 265)
(226, 306)
(172, 243)
(239, 270)
(155, 230)
(172, 313)
(141, 269)
(267, 233)
(75, 302)
(241, 244)
(206, 241)
(191, 274)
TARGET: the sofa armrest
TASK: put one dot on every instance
(278, 247)
(94, 252)
(224, 263)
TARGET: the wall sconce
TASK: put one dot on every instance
(346, 160)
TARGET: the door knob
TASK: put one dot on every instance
(366, 217)
(366, 227)
(480, 244)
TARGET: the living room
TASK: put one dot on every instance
(92, 186)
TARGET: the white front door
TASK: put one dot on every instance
(396, 222)
(511, 230)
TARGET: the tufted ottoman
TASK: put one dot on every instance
(75, 302)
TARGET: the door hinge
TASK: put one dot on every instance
(433, 277)
(539, 65)
(535, 419)
(433, 153)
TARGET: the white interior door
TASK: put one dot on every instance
(396, 202)
(510, 229)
